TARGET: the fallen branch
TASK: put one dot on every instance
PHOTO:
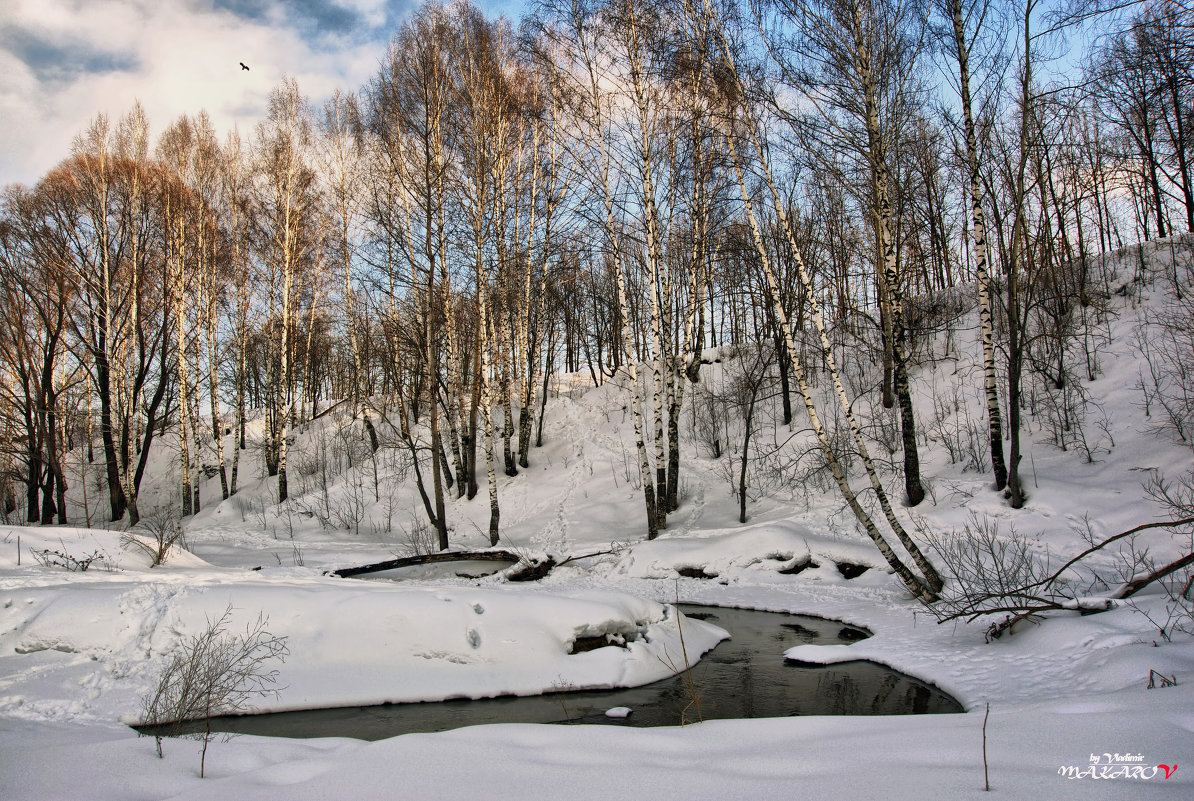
(1163, 524)
(1041, 596)
(329, 409)
(531, 569)
(428, 559)
(1136, 585)
(588, 556)
(1166, 681)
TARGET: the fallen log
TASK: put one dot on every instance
(428, 559)
(532, 569)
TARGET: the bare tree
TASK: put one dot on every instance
(184, 236)
(855, 60)
(234, 185)
(740, 122)
(409, 103)
(213, 673)
(36, 298)
(98, 217)
(287, 226)
(582, 65)
(342, 167)
(1144, 83)
(963, 41)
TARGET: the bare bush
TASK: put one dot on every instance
(932, 313)
(397, 462)
(380, 530)
(213, 673)
(155, 535)
(961, 433)
(993, 572)
(1067, 415)
(1166, 342)
(841, 442)
(884, 430)
(708, 415)
(802, 466)
(1177, 496)
(420, 538)
(242, 504)
(998, 574)
(1177, 613)
(350, 507)
(1177, 583)
(8, 498)
(48, 557)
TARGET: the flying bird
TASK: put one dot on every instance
(243, 67)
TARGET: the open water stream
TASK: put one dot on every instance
(743, 677)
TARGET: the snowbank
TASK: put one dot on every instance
(90, 647)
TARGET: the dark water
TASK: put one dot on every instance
(744, 677)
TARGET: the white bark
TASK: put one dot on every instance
(979, 233)
(595, 100)
(933, 580)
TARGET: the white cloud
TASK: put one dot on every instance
(374, 11)
(64, 61)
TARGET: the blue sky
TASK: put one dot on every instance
(64, 61)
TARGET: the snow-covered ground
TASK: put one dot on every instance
(80, 650)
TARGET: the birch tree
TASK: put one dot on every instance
(214, 275)
(92, 242)
(855, 60)
(234, 187)
(286, 208)
(629, 22)
(342, 169)
(409, 103)
(183, 244)
(963, 42)
(740, 123)
(486, 143)
(572, 28)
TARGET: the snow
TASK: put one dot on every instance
(79, 650)
(351, 642)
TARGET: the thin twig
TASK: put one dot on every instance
(986, 774)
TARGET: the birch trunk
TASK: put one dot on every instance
(435, 251)
(979, 234)
(284, 143)
(583, 45)
(343, 171)
(285, 398)
(94, 148)
(213, 383)
(1015, 490)
(233, 190)
(453, 391)
(528, 314)
(178, 237)
(913, 582)
(495, 512)
(635, 47)
(892, 280)
(931, 578)
(628, 345)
